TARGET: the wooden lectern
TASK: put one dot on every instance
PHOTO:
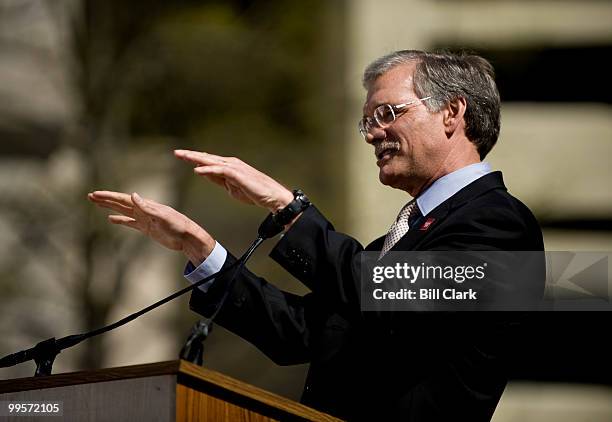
(166, 391)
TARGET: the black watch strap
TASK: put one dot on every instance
(300, 203)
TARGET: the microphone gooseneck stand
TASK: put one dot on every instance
(193, 350)
(45, 352)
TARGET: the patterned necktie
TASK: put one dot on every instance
(400, 227)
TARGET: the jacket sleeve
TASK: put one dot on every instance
(326, 261)
(280, 323)
(272, 320)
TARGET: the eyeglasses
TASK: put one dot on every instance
(384, 115)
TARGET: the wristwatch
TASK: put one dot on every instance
(286, 215)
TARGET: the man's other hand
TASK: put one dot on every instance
(160, 222)
(240, 180)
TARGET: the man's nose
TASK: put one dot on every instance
(376, 133)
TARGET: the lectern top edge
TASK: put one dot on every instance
(187, 374)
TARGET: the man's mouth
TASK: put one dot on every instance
(386, 150)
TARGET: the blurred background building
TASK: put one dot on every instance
(96, 95)
(554, 149)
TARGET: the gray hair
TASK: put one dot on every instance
(446, 77)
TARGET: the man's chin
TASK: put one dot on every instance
(387, 178)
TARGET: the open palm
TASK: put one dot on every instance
(160, 222)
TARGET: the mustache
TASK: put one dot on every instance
(385, 145)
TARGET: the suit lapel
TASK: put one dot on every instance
(423, 225)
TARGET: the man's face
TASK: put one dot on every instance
(411, 151)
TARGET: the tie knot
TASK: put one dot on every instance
(409, 210)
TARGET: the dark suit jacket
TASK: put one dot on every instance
(415, 366)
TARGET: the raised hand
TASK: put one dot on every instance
(241, 181)
(160, 222)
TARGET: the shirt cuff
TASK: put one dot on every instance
(212, 264)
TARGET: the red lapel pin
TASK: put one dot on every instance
(427, 223)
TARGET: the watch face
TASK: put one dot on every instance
(301, 200)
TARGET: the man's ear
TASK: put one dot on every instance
(453, 115)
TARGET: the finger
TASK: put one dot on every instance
(122, 198)
(234, 180)
(122, 220)
(145, 205)
(200, 158)
(226, 177)
(148, 207)
(223, 171)
(115, 206)
(99, 200)
(228, 174)
(219, 174)
(215, 174)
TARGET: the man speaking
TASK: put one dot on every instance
(431, 120)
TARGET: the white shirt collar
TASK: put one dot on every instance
(449, 184)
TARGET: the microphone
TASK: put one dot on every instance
(45, 352)
(270, 227)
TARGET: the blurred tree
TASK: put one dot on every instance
(127, 82)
